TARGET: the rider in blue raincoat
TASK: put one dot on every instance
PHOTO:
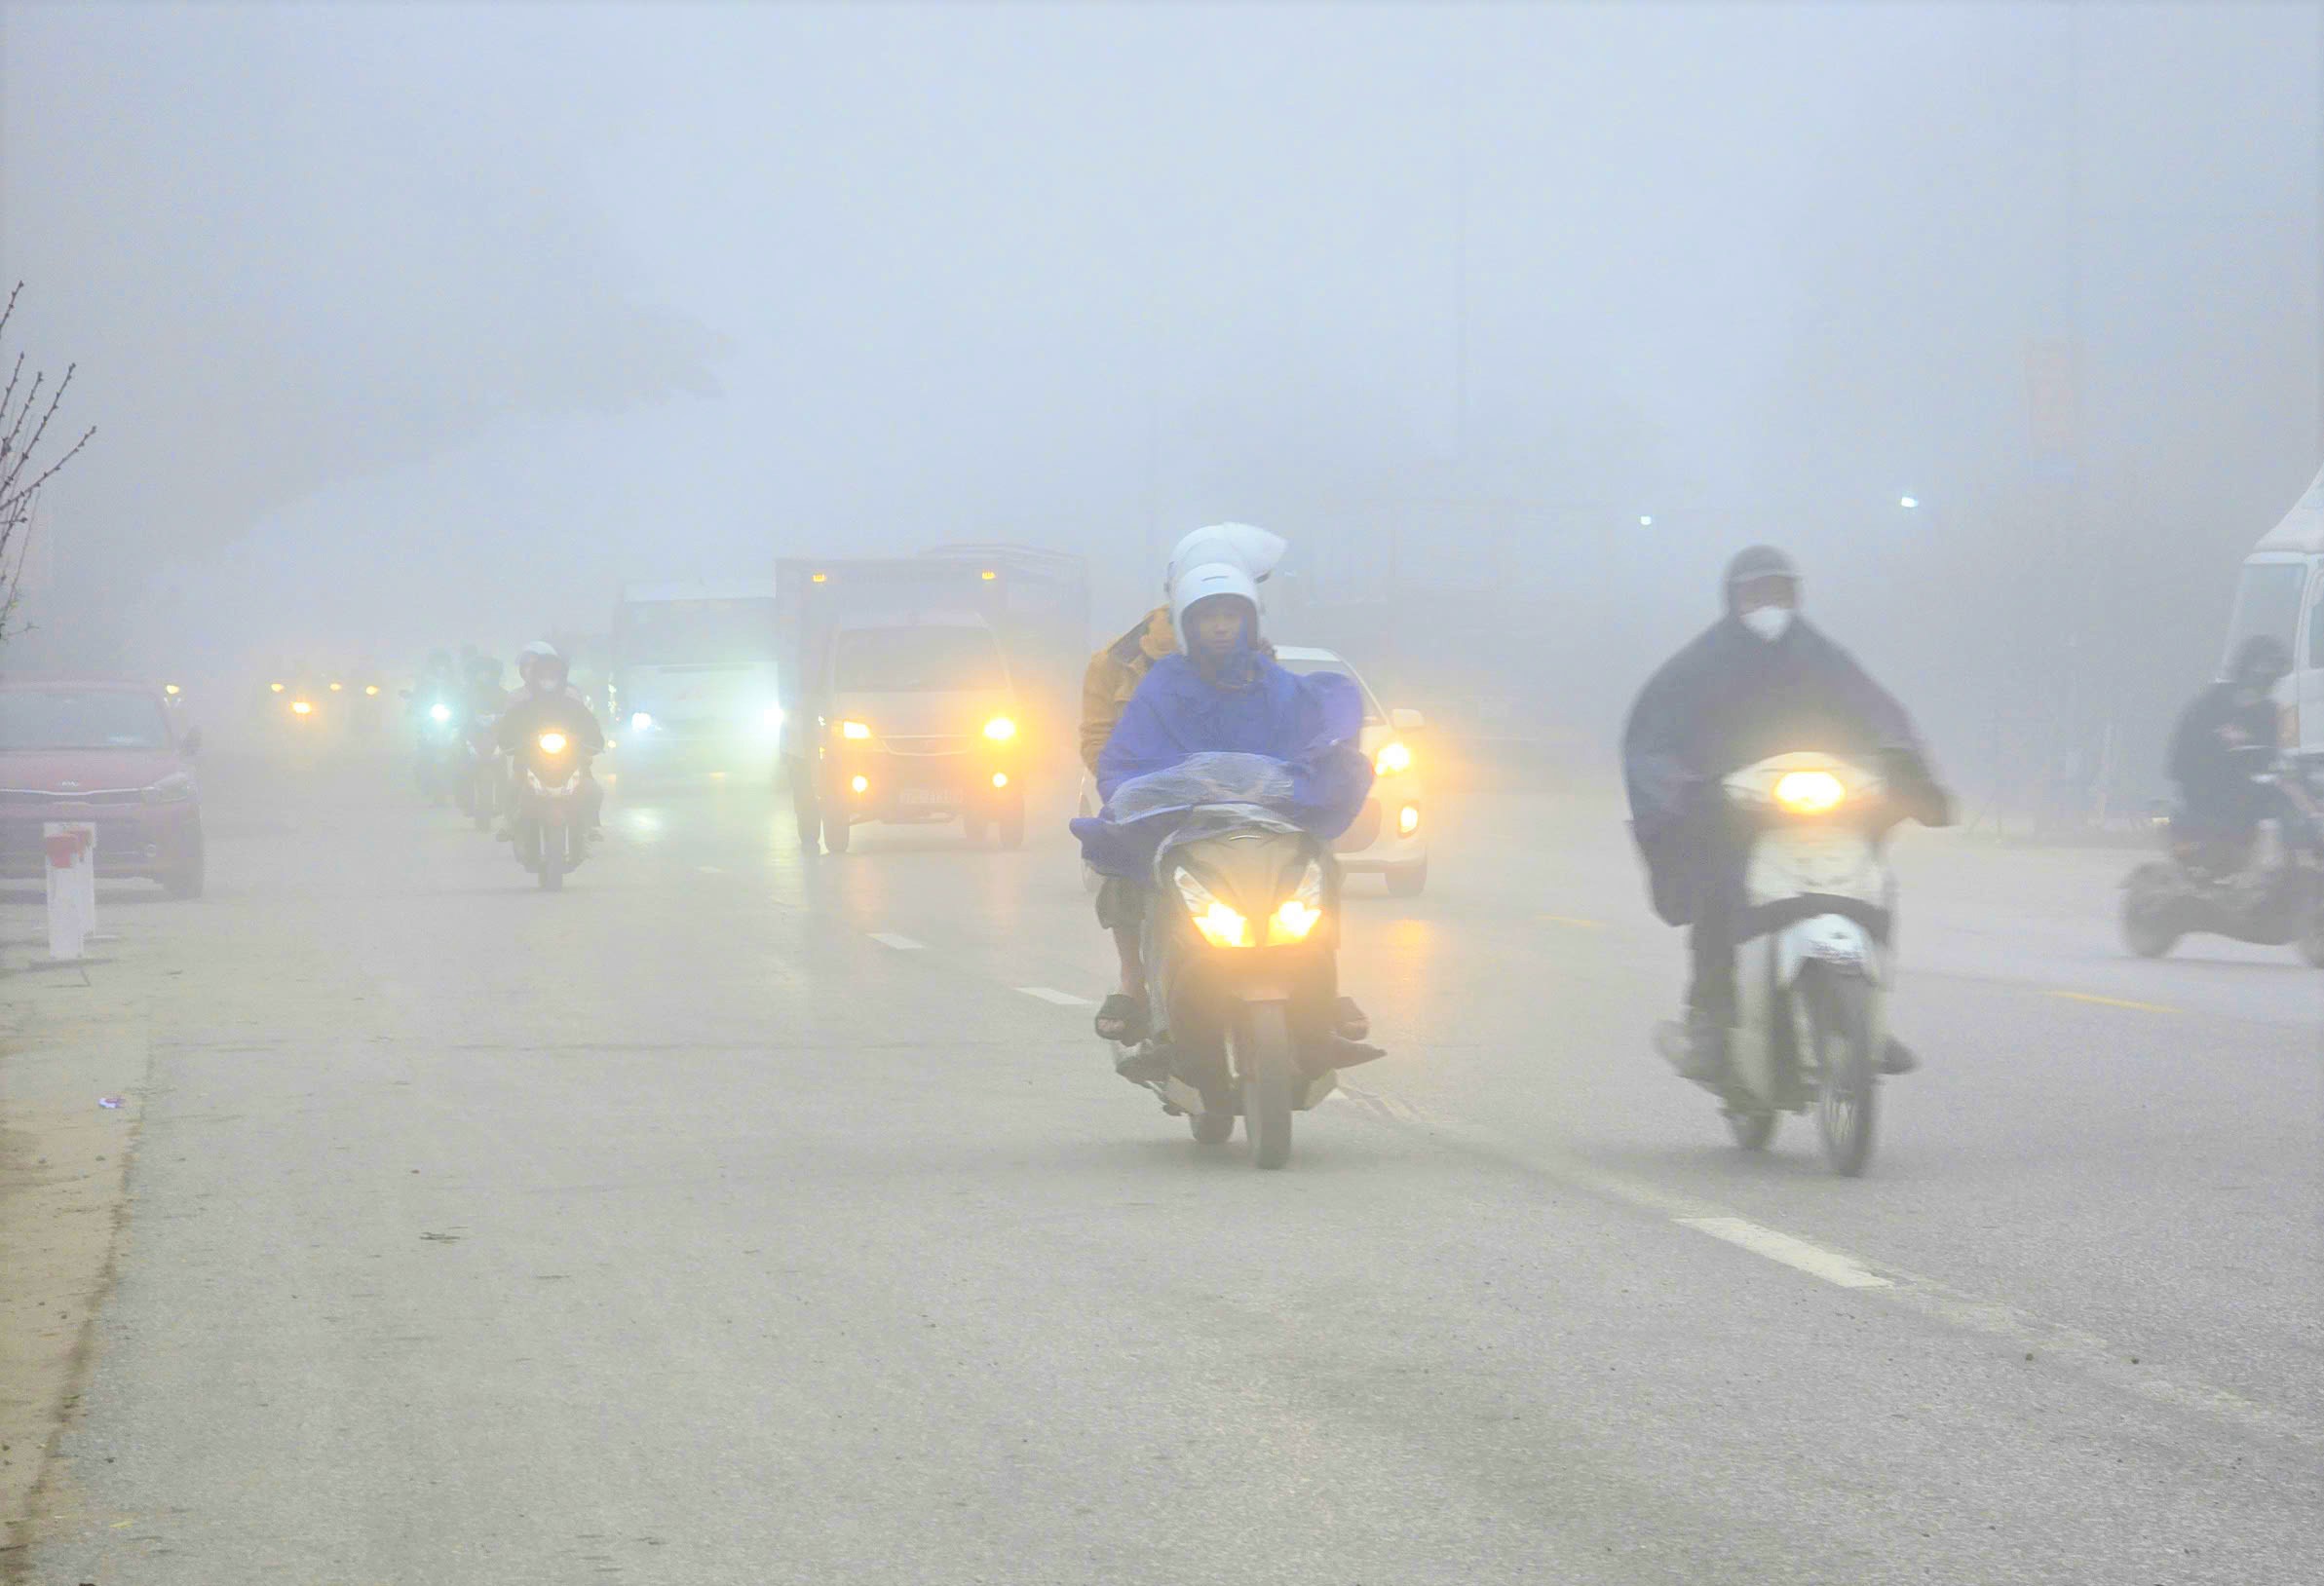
(1225, 694)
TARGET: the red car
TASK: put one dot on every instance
(107, 753)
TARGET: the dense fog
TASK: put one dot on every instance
(407, 325)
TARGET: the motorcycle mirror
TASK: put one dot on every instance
(191, 743)
(1407, 721)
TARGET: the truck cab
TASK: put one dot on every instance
(2281, 592)
(693, 678)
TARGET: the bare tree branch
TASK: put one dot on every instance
(18, 458)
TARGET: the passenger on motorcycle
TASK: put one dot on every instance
(1761, 681)
(2225, 737)
(548, 700)
(1227, 693)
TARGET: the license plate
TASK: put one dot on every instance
(922, 797)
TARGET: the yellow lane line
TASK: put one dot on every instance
(2113, 1001)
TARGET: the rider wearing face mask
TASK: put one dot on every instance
(1761, 681)
(2225, 738)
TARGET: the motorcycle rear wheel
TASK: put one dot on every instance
(1269, 1073)
(1840, 1033)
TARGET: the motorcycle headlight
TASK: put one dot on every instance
(174, 788)
(301, 707)
(1000, 728)
(439, 713)
(1295, 918)
(552, 742)
(770, 718)
(641, 721)
(1809, 792)
(1393, 757)
(1220, 925)
(854, 732)
(336, 687)
(371, 689)
(172, 689)
(276, 687)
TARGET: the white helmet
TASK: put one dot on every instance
(1222, 559)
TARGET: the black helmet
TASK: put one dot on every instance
(1756, 562)
(2261, 661)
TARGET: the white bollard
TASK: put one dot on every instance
(72, 886)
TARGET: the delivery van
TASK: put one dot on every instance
(2281, 592)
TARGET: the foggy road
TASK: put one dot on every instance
(741, 1217)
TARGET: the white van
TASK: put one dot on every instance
(2282, 592)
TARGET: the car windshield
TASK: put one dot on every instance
(81, 719)
(925, 659)
(1373, 716)
(2267, 601)
(697, 632)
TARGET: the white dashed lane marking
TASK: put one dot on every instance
(1814, 1260)
(902, 944)
(1049, 994)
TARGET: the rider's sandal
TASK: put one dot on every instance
(1126, 1015)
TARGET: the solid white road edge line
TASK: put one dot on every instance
(902, 944)
(1062, 998)
(1814, 1260)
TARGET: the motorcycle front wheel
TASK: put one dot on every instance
(1751, 1130)
(1840, 1033)
(551, 843)
(1270, 1075)
(2146, 925)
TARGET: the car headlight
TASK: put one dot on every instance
(552, 742)
(371, 689)
(770, 718)
(1809, 792)
(1408, 819)
(174, 788)
(336, 687)
(854, 732)
(276, 687)
(1393, 757)
(1000, 728)
(641, 721)
(439, 712)
(1220, 925)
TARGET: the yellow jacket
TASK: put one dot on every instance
(1114, 675)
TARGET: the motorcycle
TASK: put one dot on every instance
(552, 830)
(1242, 939)
(477, 777)
(436, 745)
(1812, 967)
(2270, 893)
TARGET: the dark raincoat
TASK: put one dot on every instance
(2220, 742)
(1726, 700)
(1311, 723)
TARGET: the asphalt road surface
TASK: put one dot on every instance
(743, 1217)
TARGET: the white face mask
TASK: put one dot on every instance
(1769, 622)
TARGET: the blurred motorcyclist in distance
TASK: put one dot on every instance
(1760, 681)
(2225, 737)
(1224, 692)
(548, 700)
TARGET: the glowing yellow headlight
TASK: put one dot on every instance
(336, 687)
(1809, 792)
(861, 784)
(1294, 920)
(300, 708)
(552, 742)
(1000, 779)
(1000, 728)
(370, 687)
(1392, 758)
(1222, 926)
(170, 689)
(1408, 819)
(853, 730)
(276, 687)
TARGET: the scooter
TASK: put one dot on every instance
(1812, 967)
(2271, 894)
(436, 744)
(1242, 940)
(551, 828)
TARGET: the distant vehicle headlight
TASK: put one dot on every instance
(171, 689)
(368, 688)
(174, 788)
(552, 742)
(641, 721)
(1000, 728)
(336, 687)
(856, 732)
(771, 717)
(1393, 757)
(439, 712)
(276, 687)
(301, 707)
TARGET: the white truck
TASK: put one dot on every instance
(2281, 593)
(694, 684)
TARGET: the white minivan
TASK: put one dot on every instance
(2282, 592)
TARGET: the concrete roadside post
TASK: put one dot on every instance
(71, 874)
